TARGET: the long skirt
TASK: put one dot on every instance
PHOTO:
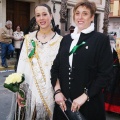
(25, 113)
(112, 93)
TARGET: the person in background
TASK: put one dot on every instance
(18, 39)
(57, 29)
(112, 91)
(6, 36)
(36, 58)
(83, 67)
(71, 29)
(114, 35)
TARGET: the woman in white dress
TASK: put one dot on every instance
(18, 39)
(36, 67)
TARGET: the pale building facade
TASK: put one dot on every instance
(114, 17)
(55, 6)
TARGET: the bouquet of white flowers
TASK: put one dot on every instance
(13, 82)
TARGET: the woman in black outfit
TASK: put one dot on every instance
(82, 67)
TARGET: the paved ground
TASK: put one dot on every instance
(10, 62)
(112, 116)
(6, 98)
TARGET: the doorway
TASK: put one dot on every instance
(18, 12)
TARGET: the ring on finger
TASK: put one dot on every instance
(75, 107)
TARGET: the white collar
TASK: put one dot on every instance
(76, 35)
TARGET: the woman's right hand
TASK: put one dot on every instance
(20, 101)
(60, 100)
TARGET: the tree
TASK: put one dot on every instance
(63, 15)
(106, 17)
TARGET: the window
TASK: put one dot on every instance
(111, 7)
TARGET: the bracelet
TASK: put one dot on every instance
(86, 92)
(56, 92)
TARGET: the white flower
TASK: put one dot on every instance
(14, 78)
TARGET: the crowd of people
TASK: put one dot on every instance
(10, 40)
(82, 66)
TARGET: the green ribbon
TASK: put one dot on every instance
(76, 47)
(33, 50)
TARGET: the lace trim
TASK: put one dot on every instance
(36, 68)
(36, 83)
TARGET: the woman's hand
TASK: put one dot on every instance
(60, 100)
(78, 102)
(20, 101)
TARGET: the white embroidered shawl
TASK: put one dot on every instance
(46, 54)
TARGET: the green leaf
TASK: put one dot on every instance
(12, 87)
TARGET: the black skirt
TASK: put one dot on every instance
(87, 110)
(58, 115)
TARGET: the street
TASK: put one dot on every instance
(6, 98)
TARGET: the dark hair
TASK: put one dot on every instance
(45, 5)
(31, 26)
(57, 29)
(19, 26)
(49, 10)
(90, 5)
(113, 33)
(57, 26)
(72, 27)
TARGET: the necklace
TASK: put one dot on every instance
(41, 44)
(44, 34)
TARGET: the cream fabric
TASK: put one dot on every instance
(47, 54)
(118, 48)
